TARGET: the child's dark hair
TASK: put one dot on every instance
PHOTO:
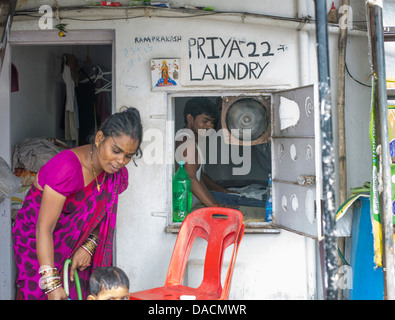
(126, 122)
(200, 105)
(107, 278)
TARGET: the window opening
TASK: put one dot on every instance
(291, 144)
(241, 168)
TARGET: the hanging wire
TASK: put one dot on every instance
(192, 14)
(357, 81)
(342, 257)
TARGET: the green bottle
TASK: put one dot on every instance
(182, 195)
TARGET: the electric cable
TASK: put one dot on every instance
(361, 83)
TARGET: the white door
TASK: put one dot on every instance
(296, 161)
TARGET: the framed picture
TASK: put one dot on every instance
(165, 72)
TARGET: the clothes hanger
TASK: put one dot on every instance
(107, 87)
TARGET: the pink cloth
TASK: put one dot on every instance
(63, 174)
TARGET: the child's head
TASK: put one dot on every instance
(109, 283)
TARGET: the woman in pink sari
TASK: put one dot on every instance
(70, 211)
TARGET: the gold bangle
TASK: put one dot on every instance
(46, 268)
(52, 289)
(90, 244)
(50, 280)
(87, 250)
(94, 238)
(44, 282)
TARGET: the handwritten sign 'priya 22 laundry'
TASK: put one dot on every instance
(218, 59)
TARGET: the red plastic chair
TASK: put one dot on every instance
(221, 227)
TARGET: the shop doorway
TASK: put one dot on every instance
(33, 94)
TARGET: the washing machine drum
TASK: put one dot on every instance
(247, 114)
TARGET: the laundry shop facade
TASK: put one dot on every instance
(227, 55)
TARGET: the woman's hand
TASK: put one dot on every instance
(81, 260)
(57, 294)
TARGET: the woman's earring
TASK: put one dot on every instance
(97, 145)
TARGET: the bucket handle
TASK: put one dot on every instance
(66, 280)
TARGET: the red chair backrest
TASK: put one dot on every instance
(220, 227)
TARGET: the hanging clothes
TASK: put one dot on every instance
(85, 93)
(94, 100)
(14, 78)
(103, 85)
(69, 73)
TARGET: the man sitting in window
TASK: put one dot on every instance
(200, 116)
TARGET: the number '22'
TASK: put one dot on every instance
(264, 54)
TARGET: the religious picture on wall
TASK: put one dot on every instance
(165, 72)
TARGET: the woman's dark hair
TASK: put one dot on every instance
(126, 122)
(200, 105)
(107, 278)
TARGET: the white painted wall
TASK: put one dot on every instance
(269, 266)
(279, 266)
(262, 270)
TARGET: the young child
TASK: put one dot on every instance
(109, 283)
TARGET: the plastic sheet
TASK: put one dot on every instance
(9, 183)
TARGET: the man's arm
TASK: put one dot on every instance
(191, 166)
(212, 185)
(199, 188)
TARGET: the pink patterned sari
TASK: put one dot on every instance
(83, 211)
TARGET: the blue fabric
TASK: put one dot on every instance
(367, 280)
(237, 200)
